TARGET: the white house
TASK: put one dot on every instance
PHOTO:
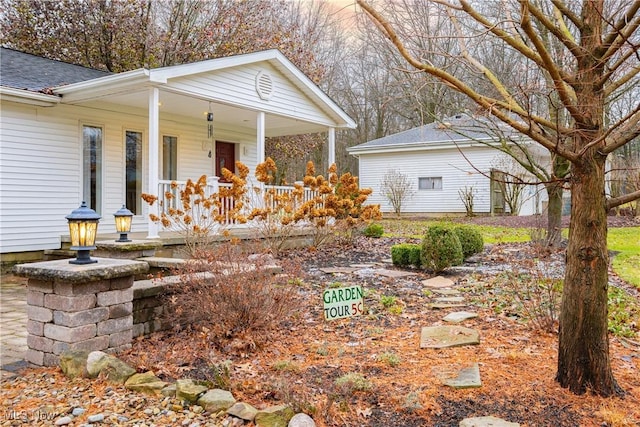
(69, 134)
(443, 159)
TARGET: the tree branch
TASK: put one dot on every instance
(621, 81)
(621, 135)
(617, 201)
(621, 30)
(561, 6)
(499, 109)
(563, 35)
(566, 94)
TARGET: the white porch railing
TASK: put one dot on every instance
(255, 195)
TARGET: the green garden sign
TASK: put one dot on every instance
(343, 302)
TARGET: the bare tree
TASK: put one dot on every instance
(596, 54)
(397, 188)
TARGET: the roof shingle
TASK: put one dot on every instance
(21, 70)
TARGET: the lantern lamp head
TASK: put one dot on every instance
(83, 228)
(123, 223)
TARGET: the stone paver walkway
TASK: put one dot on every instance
(13, 326)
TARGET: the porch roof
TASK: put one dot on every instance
(130, 89)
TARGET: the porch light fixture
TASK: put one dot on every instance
(123, 223)
(83, 227)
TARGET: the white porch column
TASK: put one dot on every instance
(260, 137)
(154, 158)
(332, 146)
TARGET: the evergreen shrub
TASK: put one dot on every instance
(373, 230)
(470, 239)
(405, 254)
(441, 248)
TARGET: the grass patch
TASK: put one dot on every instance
(626, 242)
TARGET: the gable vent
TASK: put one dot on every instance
(264, 85)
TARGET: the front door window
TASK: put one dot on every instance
(170, 158)
(92, 166)
(133, 172)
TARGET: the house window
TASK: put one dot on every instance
(92, 166)
(170, 157)
(431, 183)
(133, 171)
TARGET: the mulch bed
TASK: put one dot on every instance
(303, 358)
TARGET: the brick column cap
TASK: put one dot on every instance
(105, 268)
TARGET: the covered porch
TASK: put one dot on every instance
(198, 118)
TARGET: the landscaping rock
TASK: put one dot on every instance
(114, 369)
(459, 316)
(438, 282)
(187, 390)
(448, 336)
(243, 411)
(275, 416)
(146, 383)
(467, 378)
(63, 421)
(216, 400)
(301, 420)
(394, 274)
(98, 418)
(169, 391)
(486, 422)
(450, 299)
(74, 363)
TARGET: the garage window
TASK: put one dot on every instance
(430, 183)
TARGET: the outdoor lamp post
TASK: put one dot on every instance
(123, 223)
(83, 227)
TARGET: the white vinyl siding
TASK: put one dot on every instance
(41, 166)
(237, 86)
(448, 165)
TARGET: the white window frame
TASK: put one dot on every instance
(430, 183)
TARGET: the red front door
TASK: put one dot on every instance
(225, 158)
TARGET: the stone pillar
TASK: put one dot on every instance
(78, 307)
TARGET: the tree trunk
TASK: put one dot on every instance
(554, 213)
(583, 354)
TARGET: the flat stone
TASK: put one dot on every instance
(486, 422)
(445, 305)
(448, 336)
(337, 270)
(104, 268)
(146, 383)
(459, 316)
(467, 378)
(438, 282)
(114, 369)
(216, 400)
(74, 363)
(189, 391)
(446, 291)
(274, 416)
(394, 274)
(359, 266)
(243, 410)
(450, 299)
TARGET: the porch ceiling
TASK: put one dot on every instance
(227, 116)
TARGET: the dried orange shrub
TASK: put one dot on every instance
(339, 205)
(232, 295)
(272, 211)
(201, 217)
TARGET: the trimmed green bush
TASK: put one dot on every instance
(373, 230)
(405, 254)
(441, 248)
(470, 239)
